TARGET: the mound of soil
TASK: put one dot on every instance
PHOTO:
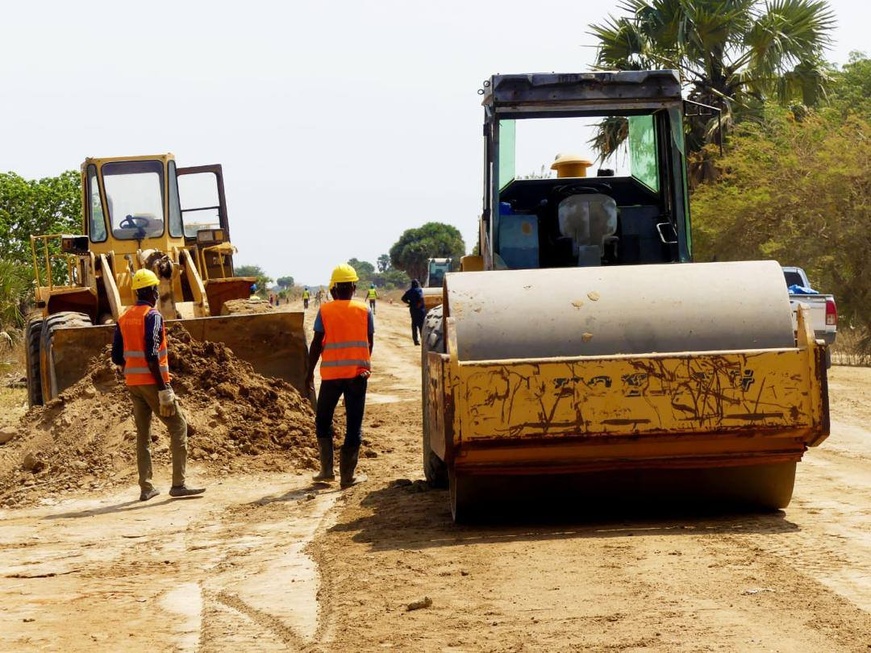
(253, 305)
(85, 438)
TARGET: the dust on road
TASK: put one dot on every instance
(267, 562)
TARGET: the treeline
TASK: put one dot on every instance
(795, 187)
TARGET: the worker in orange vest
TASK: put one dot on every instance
(139, 346)
(344, 333)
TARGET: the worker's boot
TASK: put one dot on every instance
(347, 465)
(325, 448)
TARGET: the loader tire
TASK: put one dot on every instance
(432, 339)
(50, 325)
(32, 336)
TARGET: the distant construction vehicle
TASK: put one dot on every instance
(134, 215)
(584, 345)
(436, 269)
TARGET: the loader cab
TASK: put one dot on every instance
(544, 208)
(149, 201)
(131, 203)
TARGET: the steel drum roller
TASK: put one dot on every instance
(602, 311)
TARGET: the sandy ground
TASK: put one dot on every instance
(265, 561)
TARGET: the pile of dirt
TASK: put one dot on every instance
(85, 438)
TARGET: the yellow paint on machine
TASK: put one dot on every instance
(687, 409)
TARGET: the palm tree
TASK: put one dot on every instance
(731, 54)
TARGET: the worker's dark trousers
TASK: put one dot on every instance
(417, 326)
(354, 392)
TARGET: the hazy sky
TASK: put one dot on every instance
(339, 124)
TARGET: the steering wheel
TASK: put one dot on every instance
(133, 222)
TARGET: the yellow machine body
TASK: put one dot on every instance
(581, 344)
(651, 404)
(134, 216)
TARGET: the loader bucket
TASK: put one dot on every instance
(432, 297)
(220, 291)
(274, 344)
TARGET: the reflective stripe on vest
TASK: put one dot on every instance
(346, 339)
(132, 325)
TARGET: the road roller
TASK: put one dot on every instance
(582, 350)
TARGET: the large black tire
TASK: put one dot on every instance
(32, 336)
(51, 324)
(432, 339)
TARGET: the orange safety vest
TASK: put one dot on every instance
(346, 339)
(132, 325)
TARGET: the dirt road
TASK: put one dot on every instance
(267, 562)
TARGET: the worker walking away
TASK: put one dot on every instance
(372, 296)
(414, 298)
(344, 332)
(306, 295)
(139, 346)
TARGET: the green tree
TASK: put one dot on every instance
(263, 280)
(365, 272)
(390, 279)
(851, 87)
(798, 192)
(384, 263)
(731, 54)
(16, 284)
(285, 282)
(31, 207)
(415, 246)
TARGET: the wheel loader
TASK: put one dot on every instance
(145, 212)
(584, 348)
(436, 268)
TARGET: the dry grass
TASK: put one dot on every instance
(13, 400)
(848, 348)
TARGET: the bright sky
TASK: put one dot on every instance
(339, 124)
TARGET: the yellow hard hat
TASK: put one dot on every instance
(343, 273)
(144, 279)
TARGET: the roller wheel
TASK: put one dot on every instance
(46, 356)
(465, 505)
(756, 487)
(768, 487)
(432, 338)
(32, 336)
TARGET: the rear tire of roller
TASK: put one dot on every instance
(432, 339)
(768, 487)
(463, 504)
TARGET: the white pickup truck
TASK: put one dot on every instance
(823, 310)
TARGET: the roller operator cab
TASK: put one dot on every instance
(582, 344)
(145, 212)
(634, 213)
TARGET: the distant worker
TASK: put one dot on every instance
(306, 295)
(414, 298)
(372, 296)
(344, 333)
(139, 346)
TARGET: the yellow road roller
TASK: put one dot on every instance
(145, 212)
(583, 346)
